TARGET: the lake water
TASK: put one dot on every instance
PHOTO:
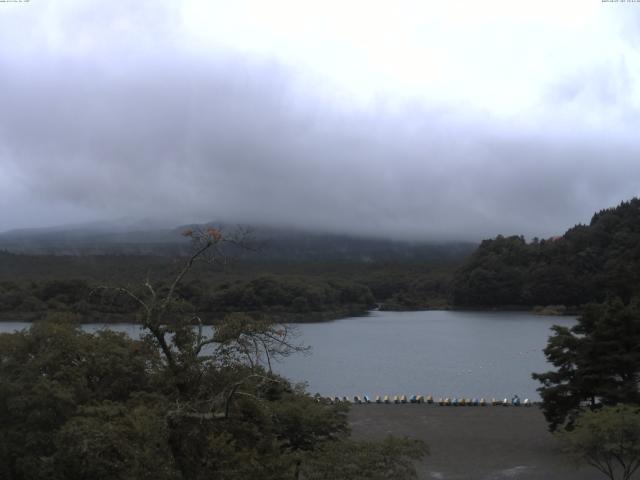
(439, 353)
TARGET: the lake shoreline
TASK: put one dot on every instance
(283, 317)
(472, 442)
(207, 318)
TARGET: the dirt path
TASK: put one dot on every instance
(476, 443)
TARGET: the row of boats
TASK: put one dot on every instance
(445, 402)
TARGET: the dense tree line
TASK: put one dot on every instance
(266, 293)
(411, 288)
(31, 286)
(584, 265)
(288, 293)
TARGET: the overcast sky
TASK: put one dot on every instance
(417, 119)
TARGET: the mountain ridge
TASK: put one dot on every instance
(277, 242)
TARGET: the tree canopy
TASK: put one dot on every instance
(584, 265)
(608, 439)
(597, 362)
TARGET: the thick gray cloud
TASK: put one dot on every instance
(165, 129)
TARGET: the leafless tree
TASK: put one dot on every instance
(237, 340)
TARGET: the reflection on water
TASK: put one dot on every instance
(441, 353)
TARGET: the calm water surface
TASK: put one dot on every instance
(441, 353)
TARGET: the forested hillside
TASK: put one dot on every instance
(33, 286)
(272, 243)
(584, 265)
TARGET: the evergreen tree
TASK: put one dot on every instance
(597, 362)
